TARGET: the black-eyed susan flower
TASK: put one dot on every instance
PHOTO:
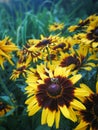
(89, 117)
(43, 45)
(4, 108)
(21, 67)
(29, 50)
(77, 59)
(89, 35)
(50, 56)
(83, 24)
(47, 41)
(92, 36)
(51, 89)
(72, 28)
(63, 44)
(56, 26)
(83, 40)
(80, 25)
(6, 49)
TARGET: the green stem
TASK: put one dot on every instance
(49, 57)
(6, 90)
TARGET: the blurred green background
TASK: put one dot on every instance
(24, 19)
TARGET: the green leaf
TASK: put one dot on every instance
(2, 128)
(5, 99)
(43, 127)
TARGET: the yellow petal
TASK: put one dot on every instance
(44, 116)
(81, 92)
(87, 68)
(91, 64)
(49, 72)
(1, 62)
(40, 81)
(51, 118)
(58, 71)
(82, 126)
(85, 87)
(29, 100)
(34, 109)
(57, 119)
(91, 128)
(2, 113)
(95, 44)
(65, 111)
(3, 54)
(75, 78)
(41, 71)
(61, 71)
(72, 115)
(77, 105)
(97, 87)
(33, 103)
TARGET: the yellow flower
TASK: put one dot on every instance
(72, 28)
(29, 50)
(52, 90)
(21, 68)
(85, 24)
(56, 26)
(6, 49)
(89, 118)
(77, 60)
(4, 108)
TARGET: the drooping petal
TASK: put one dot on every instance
(50, 117)
(44, 116)
(75, 78)
(29, 100)
(72, 115)
(82, 126)
(79, 92)
(77, 105)
(85, 87)
(57, 118)
(34, 109)
(33, 103)
(97, 87)
(65, 111)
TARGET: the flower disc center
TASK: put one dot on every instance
(96, 33)
(96, 109)
(2, 106)
(54, 89)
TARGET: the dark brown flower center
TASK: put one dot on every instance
(54, 89)
(22, 68)
(96, 32)
(44, 42)
(61, 45)
(51, 56)
(96, 109)
(2, 106)
(55, 25)
(70, 60)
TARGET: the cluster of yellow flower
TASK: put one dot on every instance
(54, 67)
